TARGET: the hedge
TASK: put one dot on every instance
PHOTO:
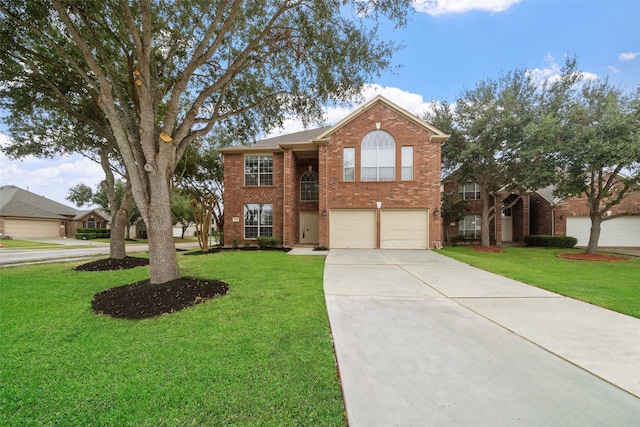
(93, 233)
(551, 241)
(268, 242)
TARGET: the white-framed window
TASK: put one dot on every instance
(349, 163)
(378, 157)
(407, 163)
(258, 220)
(309, 187)
(91, 223)
(469, 191)
(470, 227)
(258, 170)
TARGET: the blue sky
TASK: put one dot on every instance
(450, 45)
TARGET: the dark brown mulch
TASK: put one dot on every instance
(593, 257)
(109, 264)
(142, 300)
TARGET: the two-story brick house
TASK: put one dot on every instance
(510, 224)
(370, 181)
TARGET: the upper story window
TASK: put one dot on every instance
(309, 187)
(469, 191)
(407, 163)
(349, 164)
(378, 157)
(258, 170)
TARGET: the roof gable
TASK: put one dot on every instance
(437, 135)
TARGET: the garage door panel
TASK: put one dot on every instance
(404, 229)
(352, 228)
(621, 231)
(31, 228)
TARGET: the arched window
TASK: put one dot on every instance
(91, 223)
(378, 157)
(309, 187)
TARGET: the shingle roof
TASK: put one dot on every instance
(547, 194)
(15, 201)
(304, 136)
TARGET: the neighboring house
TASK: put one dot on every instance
(570, 217)
(24, 215)
(540, 212)
(509, 226)
(370, 181)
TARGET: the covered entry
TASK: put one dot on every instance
(404, 229)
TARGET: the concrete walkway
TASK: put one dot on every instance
(424, 340)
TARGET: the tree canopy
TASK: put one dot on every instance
(149, 77)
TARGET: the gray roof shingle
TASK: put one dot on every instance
(15, 201)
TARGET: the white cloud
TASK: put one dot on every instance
(628, 56)
(442, 7)
(612, 69)
(50, 178)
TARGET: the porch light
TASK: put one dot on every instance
(324, 212)
(378, 205)
(436, 213)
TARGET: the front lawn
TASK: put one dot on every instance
(28, 244)
(260, 355)
(613, 285)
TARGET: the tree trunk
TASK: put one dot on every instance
(485, 225)
(119, 222)
(594, 234)
(163, 262)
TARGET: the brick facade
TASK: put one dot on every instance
(324, 155)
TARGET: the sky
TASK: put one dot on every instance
(448, 46)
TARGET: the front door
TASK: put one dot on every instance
(309, 224)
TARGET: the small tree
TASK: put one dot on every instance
(202, 210)
(181, 211)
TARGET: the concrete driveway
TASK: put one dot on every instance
(424, 340)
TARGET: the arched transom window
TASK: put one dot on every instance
(378, 157)
(309, 187)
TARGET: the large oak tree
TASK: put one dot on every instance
(163, 73)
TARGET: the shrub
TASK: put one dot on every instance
(551, 241)
(268, 242)
(100, 233)
(86, 236)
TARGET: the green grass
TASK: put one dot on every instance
(613, 285)
(17, 243)
(260, 355)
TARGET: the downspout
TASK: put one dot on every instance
(553, 220)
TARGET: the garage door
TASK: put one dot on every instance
(404, 229)
(352, 228)
(31, 228)
(622, 231)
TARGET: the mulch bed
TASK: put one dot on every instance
(109, 264)
(593, 257)
(143, 300)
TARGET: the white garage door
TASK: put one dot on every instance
(404, 229)
(622, 231)
(31, 228)
(352, 228)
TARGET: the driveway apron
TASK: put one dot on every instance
(424, 340)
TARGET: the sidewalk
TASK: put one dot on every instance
(422, 339)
